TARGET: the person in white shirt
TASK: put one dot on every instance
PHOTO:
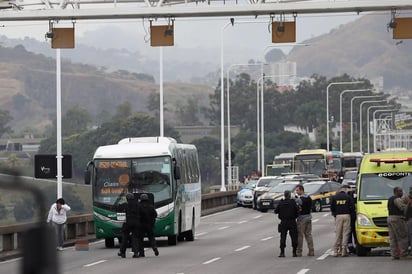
(57, 218)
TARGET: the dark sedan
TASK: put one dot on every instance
(321, 193)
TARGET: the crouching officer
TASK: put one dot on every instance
(148, 218)
(288, 212)
(131, 226)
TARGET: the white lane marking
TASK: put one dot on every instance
(325, 215)
(200, 234)
(219, 213)
(257, 217)
(242, 248)
(303, 271)
(242, 222)
(95, 263)
(11, 260)
(267, 238)
(223, 227)
(326, 254)
(212, 260)
(315, 220)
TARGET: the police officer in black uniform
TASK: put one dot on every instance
(288, 212)
(131, 226)
(148, 218)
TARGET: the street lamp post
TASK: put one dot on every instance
(259, 125)
(262, 117)
(229, 156)
(340, 111)
(374, 121)
(368, 122)
(351, 115)
(327, 105)
(360, 119)
(222, 88)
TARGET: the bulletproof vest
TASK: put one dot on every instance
(306, 205)
(132, 210)
(287, 209)
(392, 208)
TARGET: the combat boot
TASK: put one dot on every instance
(294, 252)
(311, 252)
(282, 253)
(299, 252)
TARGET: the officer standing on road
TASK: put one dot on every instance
(288, 212)
(397, 226)
(132, 225)
(149, 216)
(341, 207)
(304, 221)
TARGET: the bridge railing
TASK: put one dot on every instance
(81, 227)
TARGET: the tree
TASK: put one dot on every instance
(187, 115)
(75, 120)
(209, 159)
(5, 119)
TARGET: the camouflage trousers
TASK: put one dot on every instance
(398, 235)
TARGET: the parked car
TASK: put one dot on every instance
(267, 200)
(245, 195)
(263, 185)
(321, 193)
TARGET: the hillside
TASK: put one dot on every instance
(28, 89)
(362, 48)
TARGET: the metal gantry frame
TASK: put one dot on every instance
(45, 10)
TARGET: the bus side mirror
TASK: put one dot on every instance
(177, 173)
(87, 175)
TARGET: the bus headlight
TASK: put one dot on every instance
(363, 220)
(164, 213)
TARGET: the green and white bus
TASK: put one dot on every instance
(157, 165)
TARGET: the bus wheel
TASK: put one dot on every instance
(317, 207)
(362, 251)
(172, 240)
(109, 242)
(190, 235)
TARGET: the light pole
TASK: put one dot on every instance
(222, 111)
(229, 156)
(262, 128)
(374, 121)
(59, 155)
(351, 115)
(360, 118)
(340, 110)
(368, 122)
(327, 105)
(259, 125)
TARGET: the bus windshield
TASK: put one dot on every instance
(315, 164)
(114, 178)
(380, 186)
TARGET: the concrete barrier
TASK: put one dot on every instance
(81, 227)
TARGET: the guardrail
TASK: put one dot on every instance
(81, 227)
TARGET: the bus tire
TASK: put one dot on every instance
(180, 235)
(362, 251)
(172, 240)
(190, 235)
(109, 242)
